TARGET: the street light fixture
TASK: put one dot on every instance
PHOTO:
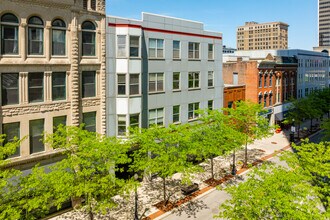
(136, 215)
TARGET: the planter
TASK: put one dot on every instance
(186, 190)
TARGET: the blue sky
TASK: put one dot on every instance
(226, 15)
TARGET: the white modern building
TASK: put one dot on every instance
(159, 71)
(313, 67)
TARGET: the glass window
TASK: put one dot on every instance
(88, 84)
(12, 130)
(89, 120)
(93, 4)
(260, 81)
(176, 113)
(9, 34)
(36, 136)
(60, 120)
(176, 49)
(156, 48)
(85, 4)
(210, 79)
(193, 50)
(36, 87)
(121, 125)
(134, 44)
(193, 80)
(265, 80)
(265, 100)
(9, 88)
(259, 99)
(134, 84)
(58, 37)
(156, 82)
(270, 80)
(270, 99)
(230, 104)
(35, 36)
(134, 121)
(192, 108)
(210, 105)
(210, 52)
(58, 86)
(156, 116)
(176, 81)
(121, 84)
(121, 46)
(88, 38)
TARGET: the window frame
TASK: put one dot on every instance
(208, 79)
(121, 124)
(59, 86)
(210, 51)
(194, 80)
(41, 41)
(176, 81)
(121, 84)
(42, 99)
(86, 126)
(158, 118)
(121, 46)
(59, 29)
(176, 114)
(130, 84)
(18, 150)
(130, 46)
(176, 50)
(33, 136)
(15, 26)
(83, 85)
(3, 103)
(55, 125)
(134, 125)
(156, 83)
(210, 105)
(192, 111)
(193, 51)
(156, 48)
(91, 31)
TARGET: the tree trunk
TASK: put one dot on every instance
(91, 215)
(233, 171)
(164, 190)
(212, 173)
(311, 124)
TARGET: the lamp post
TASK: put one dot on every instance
(136, 215)
(233, 171)
(293, 130)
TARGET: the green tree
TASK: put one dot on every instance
(272, 192)
(315, 160)
(248, 119)
(88, 170)
(9, 207)
(213, 138)
(162, 151)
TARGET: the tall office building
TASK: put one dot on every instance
(324, 26)
(264, 36)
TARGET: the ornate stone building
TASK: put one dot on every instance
(52, 70)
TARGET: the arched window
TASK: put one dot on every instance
(93, 4)
(9, 34)
(58, 37)
(88, 38)
(85, 4)
(270, 98)
(36, 36)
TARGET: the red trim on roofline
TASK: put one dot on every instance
(163, 31)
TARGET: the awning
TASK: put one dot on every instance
(280, 116)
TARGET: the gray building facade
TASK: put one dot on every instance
(159, 71)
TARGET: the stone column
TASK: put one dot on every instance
(48, 86)
(74, 86)
(23, 39)
(23, 85)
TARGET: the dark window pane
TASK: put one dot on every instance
(9, 40)
(11, 131)
(58, 43)
(59, 86)
(93, 4)
(9, 88)
(88, 43)
(36, 41)
(36, 21)
(36, 136)
(121, 84)
(134, 84)
(134, 46)
(88, 84)
(36, 84)
(10, 18)
(89, 119)
(58, 23)
(61, 120)
(87, 25)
